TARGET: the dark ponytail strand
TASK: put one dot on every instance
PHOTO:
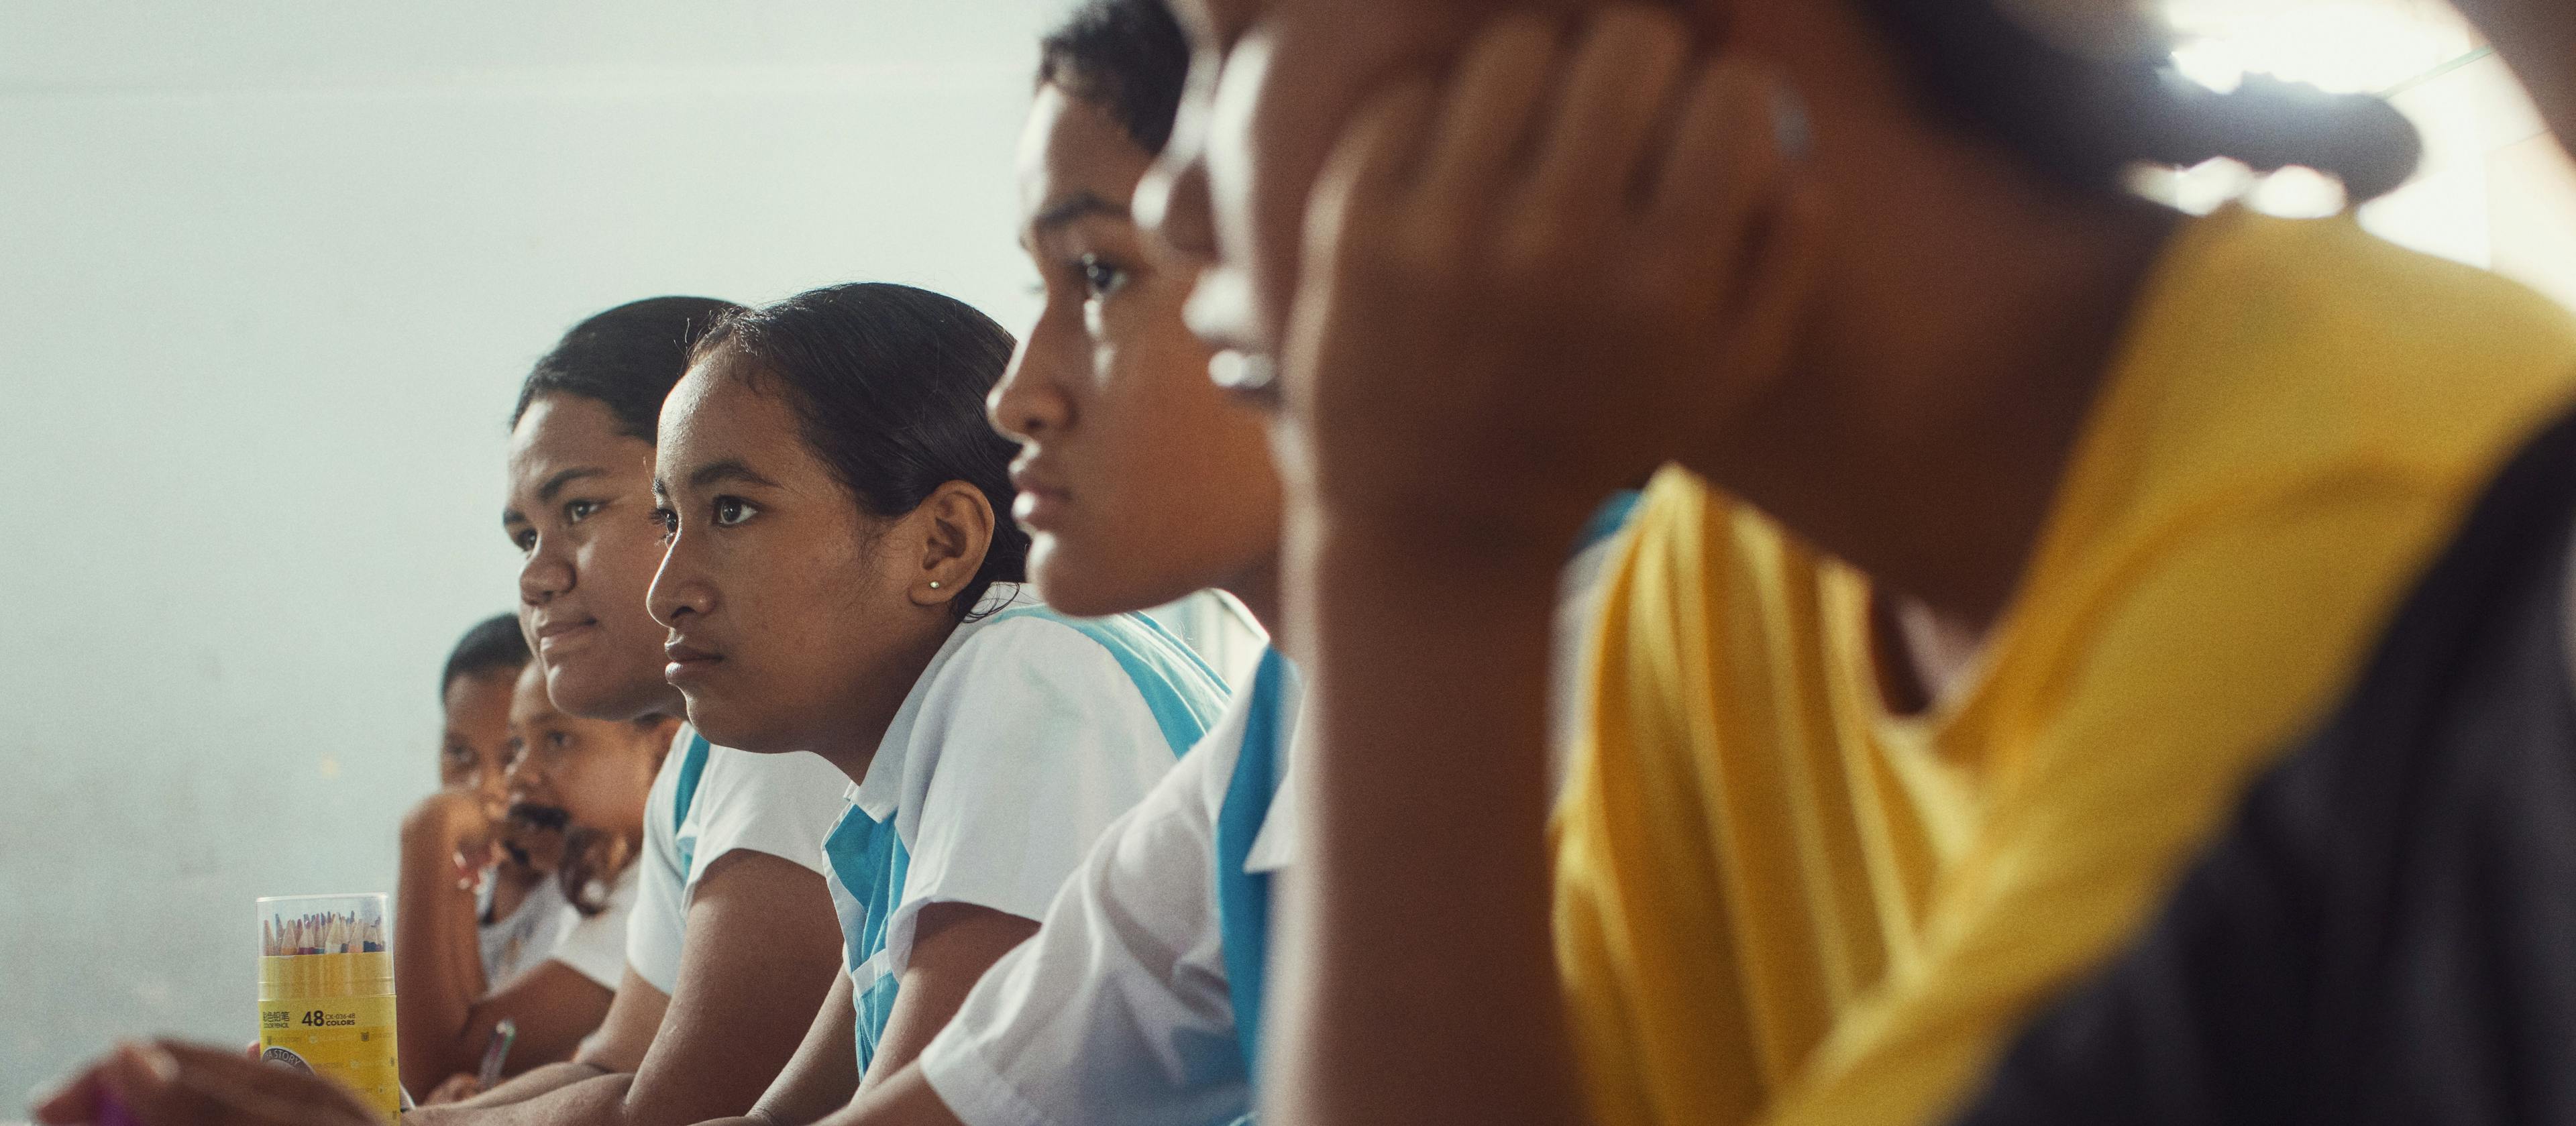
(2085, 119)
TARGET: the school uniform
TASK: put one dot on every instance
(511, 944)
(1140, 999)
(709, 801)
(1025, 737)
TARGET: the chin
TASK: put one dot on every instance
(593, 697)
(1084, 592)
(726, 725)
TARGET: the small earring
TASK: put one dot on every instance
(934, 584)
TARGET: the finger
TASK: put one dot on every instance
(1614, 91)
(74, 1102)
(226, 1090)
(1356, 193)
(1487, 113)
(1724, 161)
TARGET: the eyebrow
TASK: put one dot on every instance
(1073, 207)
(730, 469)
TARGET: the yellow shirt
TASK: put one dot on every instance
(1777, 902)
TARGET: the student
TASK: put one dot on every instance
(730, 900)
(518, 913)
(583, 779)
(2015, 524)
(840, 581)
(2379, 936)
(732, 922)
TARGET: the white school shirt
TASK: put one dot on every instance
(595, 945)
(1020, 743)
(779, 804)
(1119, 1009)
(526, 936)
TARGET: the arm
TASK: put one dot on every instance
(825, 1071)
(762, 941)
(1439, 460)
(953, 946)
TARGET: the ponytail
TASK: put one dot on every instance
(2085, 119)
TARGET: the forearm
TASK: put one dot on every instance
(1417, 979)
(535, 1083)
(584, 1099)
(437, 962)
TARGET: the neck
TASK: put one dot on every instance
(1968, 317)
(852, 742)
(1257, 587)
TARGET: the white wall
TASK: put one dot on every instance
(269, 274)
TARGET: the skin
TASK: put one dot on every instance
(597, 772)
(761, 937)
(1125, 442)
(799, 623)
(1888, 344)
(580, 510)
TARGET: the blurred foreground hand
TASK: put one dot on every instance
(167, 1083)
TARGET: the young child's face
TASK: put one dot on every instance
(474, 749)
(594, 773)
(1140, 481)
(580, 510)
(786, 605)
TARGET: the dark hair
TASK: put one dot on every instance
(888, 383)
(2085, 119)
(493, 645)
(627, 358)
(1129, 57)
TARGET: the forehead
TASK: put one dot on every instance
(1073, 146)
(528, 699)
(719, 411)
(559, 428)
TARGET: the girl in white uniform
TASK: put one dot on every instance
(1139, 999)
(841, 580)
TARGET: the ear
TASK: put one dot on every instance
(955, 528)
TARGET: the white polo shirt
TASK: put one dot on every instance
(1119, 1010)
(1023, 740)
(595, 945)
(779, 804)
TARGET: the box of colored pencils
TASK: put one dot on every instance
(326, 992)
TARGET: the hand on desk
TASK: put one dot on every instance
(167, 1083)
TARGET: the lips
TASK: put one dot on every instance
(552, 632)
(687, 661)
(1041, 499)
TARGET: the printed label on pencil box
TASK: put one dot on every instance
(350, 1039)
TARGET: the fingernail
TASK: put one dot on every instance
(151, 1059)
(1242, 371)
(1791, 129)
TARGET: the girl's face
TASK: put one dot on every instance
(789, 611)
(581, 512)
(1139, 480)
(474, 750)
(596, 771)
(1272, 82)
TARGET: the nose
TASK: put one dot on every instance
(679, 588)
(1028, 404)
(1171, 203)
(547, 572)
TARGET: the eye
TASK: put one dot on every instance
(1101, 276)
(524, 538)
(732, 511)
(577, 511)
(558, 740)
(667, 520)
